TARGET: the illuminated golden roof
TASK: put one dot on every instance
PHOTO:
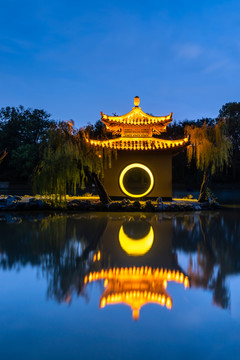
(136, 117)
(135, 294)
(136, 286)
(136, 129)
(140, 143)
(136, 122)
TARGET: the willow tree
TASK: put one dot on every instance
(211, 149)
(68, 161)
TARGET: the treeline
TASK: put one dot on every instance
(186, 173)
(25, 135)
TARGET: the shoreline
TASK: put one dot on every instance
(91, 204)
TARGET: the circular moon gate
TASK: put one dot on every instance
(136, 247)
(136, 180)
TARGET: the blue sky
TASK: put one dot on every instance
(77, 58)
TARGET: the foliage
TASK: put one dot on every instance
(211, 147)
(23, 126)
(231, 114)
(25, 134)
(97, 131)
(176, 129)
(23, 160)
(67, 161)
(232, 110)
(22, 132)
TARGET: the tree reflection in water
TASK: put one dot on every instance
(214, 237)
(57, 244)
(63, 247)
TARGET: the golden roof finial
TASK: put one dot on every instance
(136, 101)
(135, 314)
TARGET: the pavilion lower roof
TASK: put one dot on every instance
(124, 143)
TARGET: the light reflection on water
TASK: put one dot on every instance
(177, 274)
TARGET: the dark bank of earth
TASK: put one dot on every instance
(12, 202)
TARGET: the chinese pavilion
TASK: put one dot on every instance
(143, 167)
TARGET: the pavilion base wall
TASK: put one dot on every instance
(159, 162)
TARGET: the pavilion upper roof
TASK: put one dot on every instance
(136, 117)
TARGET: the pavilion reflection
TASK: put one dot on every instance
(135, 253)
(134, 258)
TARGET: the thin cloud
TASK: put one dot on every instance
(220, 60)
(218, 65)
(189, 51)
(222, 65)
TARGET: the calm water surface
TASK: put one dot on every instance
(120, 286)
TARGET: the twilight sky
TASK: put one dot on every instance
(77, 58)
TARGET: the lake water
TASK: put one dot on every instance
(120, 286)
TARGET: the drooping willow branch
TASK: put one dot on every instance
(68, 161)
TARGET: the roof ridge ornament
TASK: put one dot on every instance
(136, 101)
